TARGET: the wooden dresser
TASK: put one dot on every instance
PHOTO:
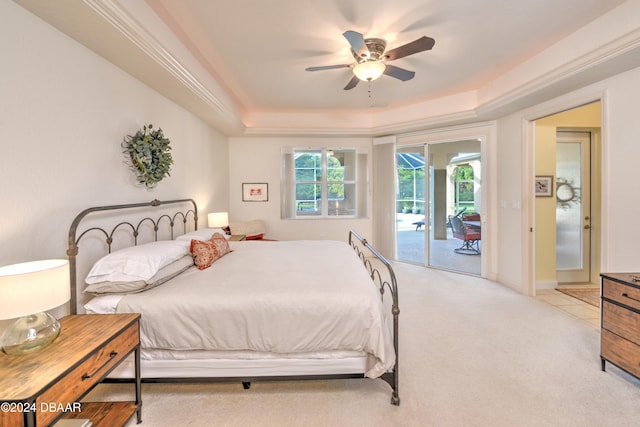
(620, 331)
(39, 388)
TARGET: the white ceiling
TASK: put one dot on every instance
(260, 49)
(257, 51)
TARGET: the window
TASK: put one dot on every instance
(323, 182)
(464, 187)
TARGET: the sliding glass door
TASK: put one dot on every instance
(438, 205)
(410, 204)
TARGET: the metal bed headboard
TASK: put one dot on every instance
(74, 238)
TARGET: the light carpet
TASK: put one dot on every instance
(472, 353)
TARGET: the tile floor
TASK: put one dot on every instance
(572, 306)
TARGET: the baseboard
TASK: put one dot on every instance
(546, 284)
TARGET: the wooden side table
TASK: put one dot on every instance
(39, 388)
(237, 237)
(620, 314)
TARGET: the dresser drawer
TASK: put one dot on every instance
(621, 321)
(620, 352)
(86, 375)
(624, 294)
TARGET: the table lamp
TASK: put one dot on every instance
(218, 219)
(26, 291)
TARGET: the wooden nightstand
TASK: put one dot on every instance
(39, 388)
(237, 237)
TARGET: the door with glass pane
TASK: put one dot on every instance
(573, 214)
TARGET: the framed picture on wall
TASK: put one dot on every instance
(544, 186)
(255, 192)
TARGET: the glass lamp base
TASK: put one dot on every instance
(30, 333)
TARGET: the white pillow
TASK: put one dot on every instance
(104, 304)
(166, 273)
(204, 234)
(140, 262)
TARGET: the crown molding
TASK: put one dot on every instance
(613, 57)
(123, 21)
(374, 131)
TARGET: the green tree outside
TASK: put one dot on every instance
(308, 168)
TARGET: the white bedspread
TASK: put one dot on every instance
(278, 297)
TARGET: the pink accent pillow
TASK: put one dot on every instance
(207, 252)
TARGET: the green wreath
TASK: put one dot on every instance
(148, 154)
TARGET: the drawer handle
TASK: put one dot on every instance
(111, 356)
(626, 295)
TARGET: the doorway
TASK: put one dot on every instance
(567, 220)
(439, 183)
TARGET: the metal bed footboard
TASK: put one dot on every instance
(386, 281)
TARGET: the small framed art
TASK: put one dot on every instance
(544, 186)
(255, 192)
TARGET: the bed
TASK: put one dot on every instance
(276, 310)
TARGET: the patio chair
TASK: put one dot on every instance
(460, 212)
(470, 237)
(471, 216)
(472, 221)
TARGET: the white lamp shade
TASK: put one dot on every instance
(369, 70)
(33, 287)
(218, 219)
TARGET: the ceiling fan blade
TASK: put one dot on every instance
(422, 44)
(327, 67)
(356, 40)
(399, 73)
(352, 83)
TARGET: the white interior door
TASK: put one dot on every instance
(573, 207)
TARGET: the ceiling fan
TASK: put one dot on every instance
(371, 58)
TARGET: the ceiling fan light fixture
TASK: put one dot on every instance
(369, 70)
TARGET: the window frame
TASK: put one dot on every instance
(289, 206)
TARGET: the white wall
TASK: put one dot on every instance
(510, 201)
(63, 114)
(620, 154)
(621, 151)
(257, 159)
